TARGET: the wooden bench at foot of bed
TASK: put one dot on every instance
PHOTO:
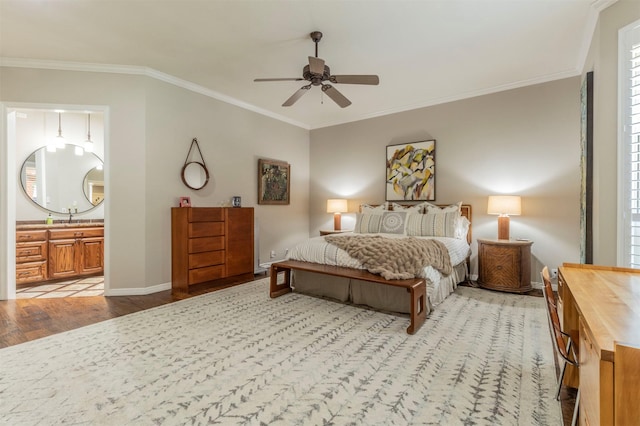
(416, 287)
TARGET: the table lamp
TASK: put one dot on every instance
(504, 205)
(337, 206)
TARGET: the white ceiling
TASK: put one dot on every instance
(425, 52)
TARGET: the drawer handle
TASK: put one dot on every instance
(499, 267)
(78, 234)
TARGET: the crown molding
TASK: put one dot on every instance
(597, 6)
(145, 71)
(460, 96)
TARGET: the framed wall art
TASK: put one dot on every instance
(274, 181)
(411, 171)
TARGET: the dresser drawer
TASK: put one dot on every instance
(209, 273)
(198, 245)
(206, 229)
(211, 214)
(26, 236)
(28, 252)
(208, 258)
(31, 272)
(61, 234)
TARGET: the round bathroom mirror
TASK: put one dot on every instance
(55, 180)
(195, 175)
(93, 185)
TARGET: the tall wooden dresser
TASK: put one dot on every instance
(209, 244)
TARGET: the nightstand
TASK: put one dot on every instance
(333, 231)
(504, 265)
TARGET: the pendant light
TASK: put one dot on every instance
(60, 141)
(51, 142)
(88, 144)
(79, 151)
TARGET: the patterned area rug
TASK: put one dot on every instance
(237, 357)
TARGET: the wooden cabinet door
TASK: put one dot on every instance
(91, 255)
(239, 234)
(63, 258)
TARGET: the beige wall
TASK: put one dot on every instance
(150, 127)
(523, 141)
(603, 61)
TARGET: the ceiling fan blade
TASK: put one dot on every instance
(278, 79)
(301, 91)
(334, 94)
(355, 79)
(316, 65)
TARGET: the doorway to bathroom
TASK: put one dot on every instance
(59, 201)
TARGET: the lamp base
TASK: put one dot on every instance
(503, 227)
(336, 221)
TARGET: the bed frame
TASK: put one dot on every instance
(417, 287)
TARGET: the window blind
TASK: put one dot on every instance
(630, 140)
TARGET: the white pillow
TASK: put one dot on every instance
(367, 209)
(430, 208)
(418, 208)
(462, 228)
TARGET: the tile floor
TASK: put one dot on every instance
(90, 286)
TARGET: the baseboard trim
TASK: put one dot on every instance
(140, 291)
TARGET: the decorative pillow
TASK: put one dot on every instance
(367, 209)
(393, 222)
(409, 209)
(462, 227)
(430, 208)
(440, 224)
(367, 223)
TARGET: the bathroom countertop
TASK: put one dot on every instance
(21, 226)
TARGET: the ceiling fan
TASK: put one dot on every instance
(316, 73)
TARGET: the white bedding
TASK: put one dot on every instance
(318, 250)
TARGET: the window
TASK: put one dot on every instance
(629, 145)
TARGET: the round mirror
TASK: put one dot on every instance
(93, 185)
(195, 175)
(56, 180)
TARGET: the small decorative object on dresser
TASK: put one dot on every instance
(236, 201)
(504, 265)
(185, 202)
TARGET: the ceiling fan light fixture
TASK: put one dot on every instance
(317, 72)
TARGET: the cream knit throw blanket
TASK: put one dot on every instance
(395, 258)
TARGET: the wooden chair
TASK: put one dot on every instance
(565, 344)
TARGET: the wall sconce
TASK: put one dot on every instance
(504, 205)
(337, 206)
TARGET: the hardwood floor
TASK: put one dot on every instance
(23, 320)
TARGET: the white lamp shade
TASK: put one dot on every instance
(337, 205)
(509, 205)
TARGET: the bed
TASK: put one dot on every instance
(334, 266)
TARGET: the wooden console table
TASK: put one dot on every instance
(603, 304)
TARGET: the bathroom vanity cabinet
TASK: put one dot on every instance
(50, 252)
